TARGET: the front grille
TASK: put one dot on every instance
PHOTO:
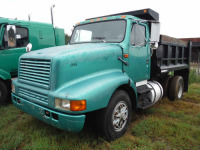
(35, 96)
(35, 72)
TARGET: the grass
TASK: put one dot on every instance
(166, 125)
(194, 78)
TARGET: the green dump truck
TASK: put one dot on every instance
(15, 35)
(112, 66)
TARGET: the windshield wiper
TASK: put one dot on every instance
(99, 38)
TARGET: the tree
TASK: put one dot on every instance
(67, 38)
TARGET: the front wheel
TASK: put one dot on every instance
(3, 92)
(116, 117)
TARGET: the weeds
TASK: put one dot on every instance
(167, 125)
(194, 77)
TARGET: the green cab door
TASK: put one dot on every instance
(139, 57)
(9, 56)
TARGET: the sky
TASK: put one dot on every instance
(178, 18)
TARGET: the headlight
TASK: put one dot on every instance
(78, 105)
(13, 88)
(66, 104)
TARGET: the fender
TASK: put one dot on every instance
(97, 89)
(5, 75)
(133, 86)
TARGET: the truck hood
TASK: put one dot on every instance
(50, 53)
(72, 62)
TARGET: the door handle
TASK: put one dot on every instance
(126, 63)
(147, 61)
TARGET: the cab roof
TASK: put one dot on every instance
(107, 19)
(22, 22)
(147, 14)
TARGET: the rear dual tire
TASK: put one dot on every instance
(176, 88)
(165, 85)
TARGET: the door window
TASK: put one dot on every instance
(138, 35)
(22, 39)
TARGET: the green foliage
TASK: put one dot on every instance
(67, 38)
(194, 77)
(166, 125)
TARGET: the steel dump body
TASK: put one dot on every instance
(172, 54)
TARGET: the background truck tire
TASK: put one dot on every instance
(165, 85)
(3, 92)
(176, 88)
(118, 112)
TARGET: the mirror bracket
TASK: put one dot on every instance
(28, 47)
(154, 45)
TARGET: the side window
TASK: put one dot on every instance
(22, 39)
(138, 35)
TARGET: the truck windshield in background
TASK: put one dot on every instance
(98, 32)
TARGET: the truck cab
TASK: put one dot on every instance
(15, 35)
(112, 66)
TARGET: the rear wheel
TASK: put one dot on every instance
(116, 117)
(3, 92)
(165, 85)
(176, 88)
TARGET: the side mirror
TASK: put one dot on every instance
(11, 32)
(155, 35)
(28, 47)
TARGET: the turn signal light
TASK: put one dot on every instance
(123, 16)
(79, 105)
(13, 88)
(126, 55)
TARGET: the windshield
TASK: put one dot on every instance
(107, 31)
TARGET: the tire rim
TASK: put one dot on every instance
(120, 116)
(180, 91)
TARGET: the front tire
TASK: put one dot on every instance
(3, 92)
(116, 117)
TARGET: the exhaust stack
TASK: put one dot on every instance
(29, 17)
(52, 14)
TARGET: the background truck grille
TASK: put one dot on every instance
(35, 96)
(35, 72)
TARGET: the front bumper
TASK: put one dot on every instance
(59, 120)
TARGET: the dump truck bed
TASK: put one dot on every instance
(172, 54)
